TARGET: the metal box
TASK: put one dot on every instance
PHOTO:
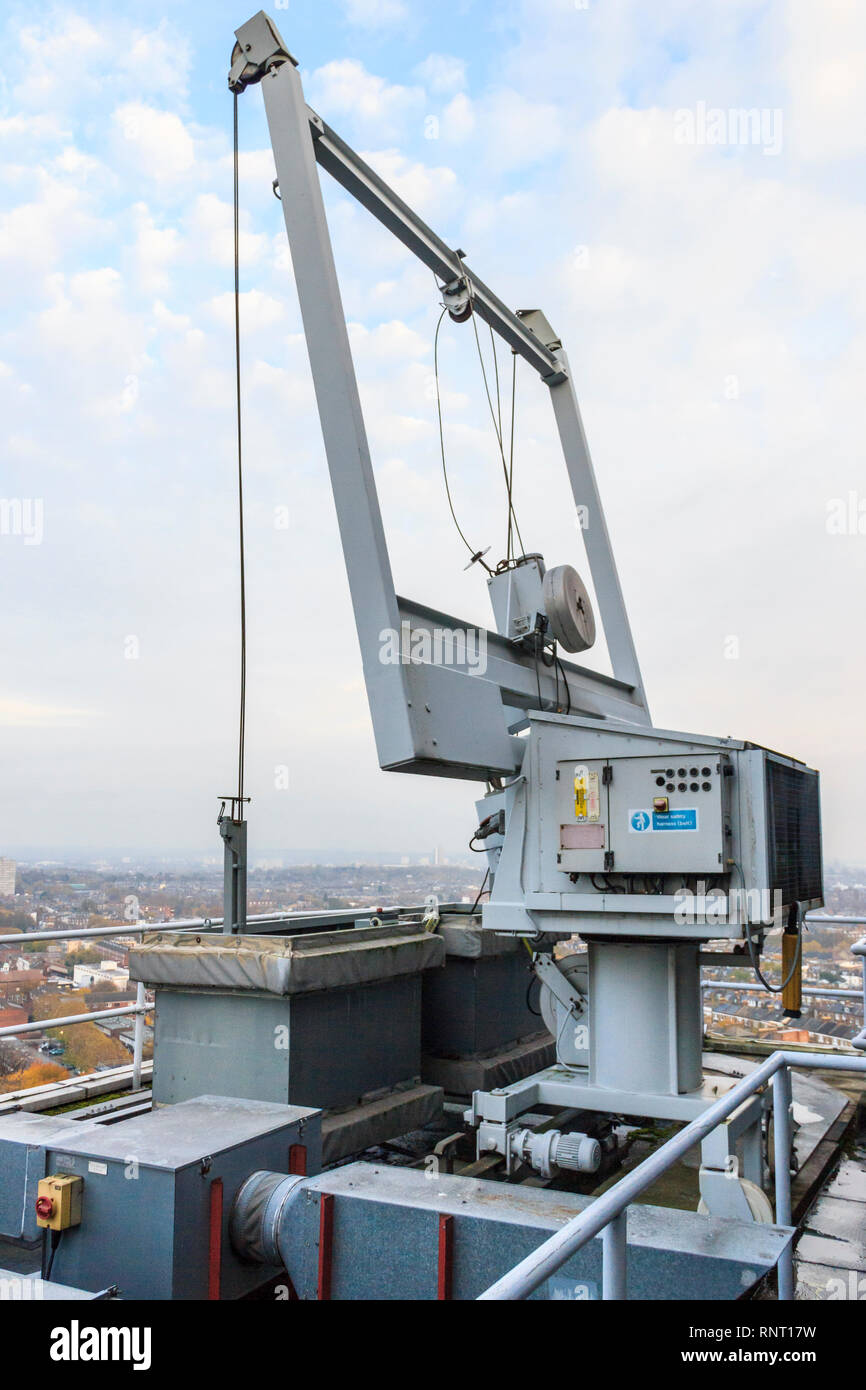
(328, 1049)
(480, 1000)
(517, 598)
(158, 1190)
(58, 1205)
(24, 1138)
(693, 837)
(323, 1018)
(642, 815)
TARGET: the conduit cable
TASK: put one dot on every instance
(476, 554)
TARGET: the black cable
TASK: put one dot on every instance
(772, 989)
(480, 891)
(56, 1237)
(470, 548)
(511, 455)
(534, 980)
(496, 431)
(565, 683)
(496, 371)
(243, 690)
(538, 681)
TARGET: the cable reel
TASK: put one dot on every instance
(569, 608)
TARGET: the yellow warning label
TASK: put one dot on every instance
(587, 806)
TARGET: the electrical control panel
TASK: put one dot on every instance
(642, 815)
(613, 829)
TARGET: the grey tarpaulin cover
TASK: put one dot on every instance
(464, 936)
(285, 964)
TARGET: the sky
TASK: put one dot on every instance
(706, 277)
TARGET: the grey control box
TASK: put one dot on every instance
(642, 815)
(619, 830)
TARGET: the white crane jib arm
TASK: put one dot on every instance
(444, 719)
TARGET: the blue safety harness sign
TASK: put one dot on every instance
(682, 818)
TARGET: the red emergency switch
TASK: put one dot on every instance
(661, 803)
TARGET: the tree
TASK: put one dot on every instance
(39, 1074)
(84, 955)
(54, 1005)
(84, 1045)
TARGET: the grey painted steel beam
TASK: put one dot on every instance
(596, 539)
(427, 717)
(364, 184)
(514, 673)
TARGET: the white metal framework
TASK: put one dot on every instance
(447, 721)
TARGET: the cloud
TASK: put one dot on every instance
(513, 131)
(156, 249)
(711, 301)
(210, 228)
(442, 72)
(389, 341)
(33, 129)
(346, 88)
(69, 62)
(157, 143)
(157, 59)
(257, 310)
(40, 234)
(422, 186)
(376, 14)
(20, 713)
(824, 65)
(458, 118)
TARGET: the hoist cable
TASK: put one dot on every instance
(496, 370)
(497, 431)
(243, 596)
(472, 551)
(511, 511)
(511, 457)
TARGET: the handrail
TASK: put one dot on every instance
(188, 924)
(736, 987)
(306, 918)
(138, 1009)
(605, 1210)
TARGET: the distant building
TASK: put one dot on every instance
(7, 878)
(108, 972)
(10, 1016)
(17, 986)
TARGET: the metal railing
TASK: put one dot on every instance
(138, 1009)
(608, 1214)
(313, 920)
(307, 921)
(814, 991)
